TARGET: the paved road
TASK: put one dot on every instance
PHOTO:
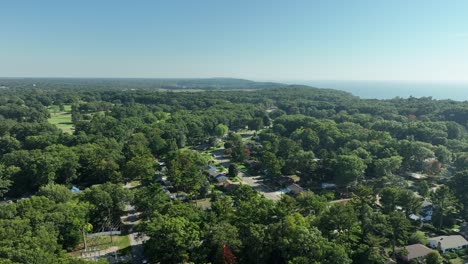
(255, 183)
(136, 239)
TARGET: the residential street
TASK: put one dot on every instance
(136, 240)
(253, 181)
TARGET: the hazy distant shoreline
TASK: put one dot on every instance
(390, 89)
(457, 91)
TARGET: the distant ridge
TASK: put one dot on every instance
(138, 83)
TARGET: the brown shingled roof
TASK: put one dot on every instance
(416, 251)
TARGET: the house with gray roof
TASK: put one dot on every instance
(448, 243)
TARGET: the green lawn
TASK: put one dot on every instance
(457, 261)
(122, 241)
(62, 119)
(241, 166)
(104, 242)
(203, 203)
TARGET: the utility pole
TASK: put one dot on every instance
(110, 227)
(84, 238)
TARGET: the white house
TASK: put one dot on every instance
(447, 243)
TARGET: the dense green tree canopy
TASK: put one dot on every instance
(359, 149)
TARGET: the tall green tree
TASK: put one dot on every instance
(221, 130)
(444, 202)
(434, 258)
(399, 226)
(172, 239)
(140, 167)
(107, 202)
(56, 192)
(237, 147)
(221, 237)
(233, 170)
(5, 181)
(410, 203)
(389, 199)
(387, 166)
(348, 169)
(186, 171)
(150, 199)
(271, 164)
(459, 185)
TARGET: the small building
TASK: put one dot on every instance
(213, 171)
(426, 211)
(253, 164)
(181, 196)
(294, 178)
(165, 182)
(294, 189)
(448, 243)
(171, 195)
(326, 185)
(221, 178)
(417, 176)
(414, 217)
(284, 181)
(413, 252)
(342, 201)
(75, 189)
(229, 186)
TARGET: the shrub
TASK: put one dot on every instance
(461, 252)
(418, 237)
(450, 255)
(429, 227)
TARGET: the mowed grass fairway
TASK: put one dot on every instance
(62, 119)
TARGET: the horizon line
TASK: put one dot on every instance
(286, 81)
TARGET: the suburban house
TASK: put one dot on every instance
(75, 189)
(294, 189)
(221, 178)
(284, 181)
(426, 211)
(212, 171)
(413, 252)
(447, 243)
(425, 214)
(229, 186)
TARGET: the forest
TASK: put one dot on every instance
(227, 171)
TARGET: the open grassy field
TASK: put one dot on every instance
(104, 242)
(62, 119)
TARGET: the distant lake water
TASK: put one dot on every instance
(390, 89)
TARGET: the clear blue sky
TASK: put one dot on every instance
(255, 39)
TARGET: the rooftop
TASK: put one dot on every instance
(295, 188)
(416, 251)
(449, 241)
